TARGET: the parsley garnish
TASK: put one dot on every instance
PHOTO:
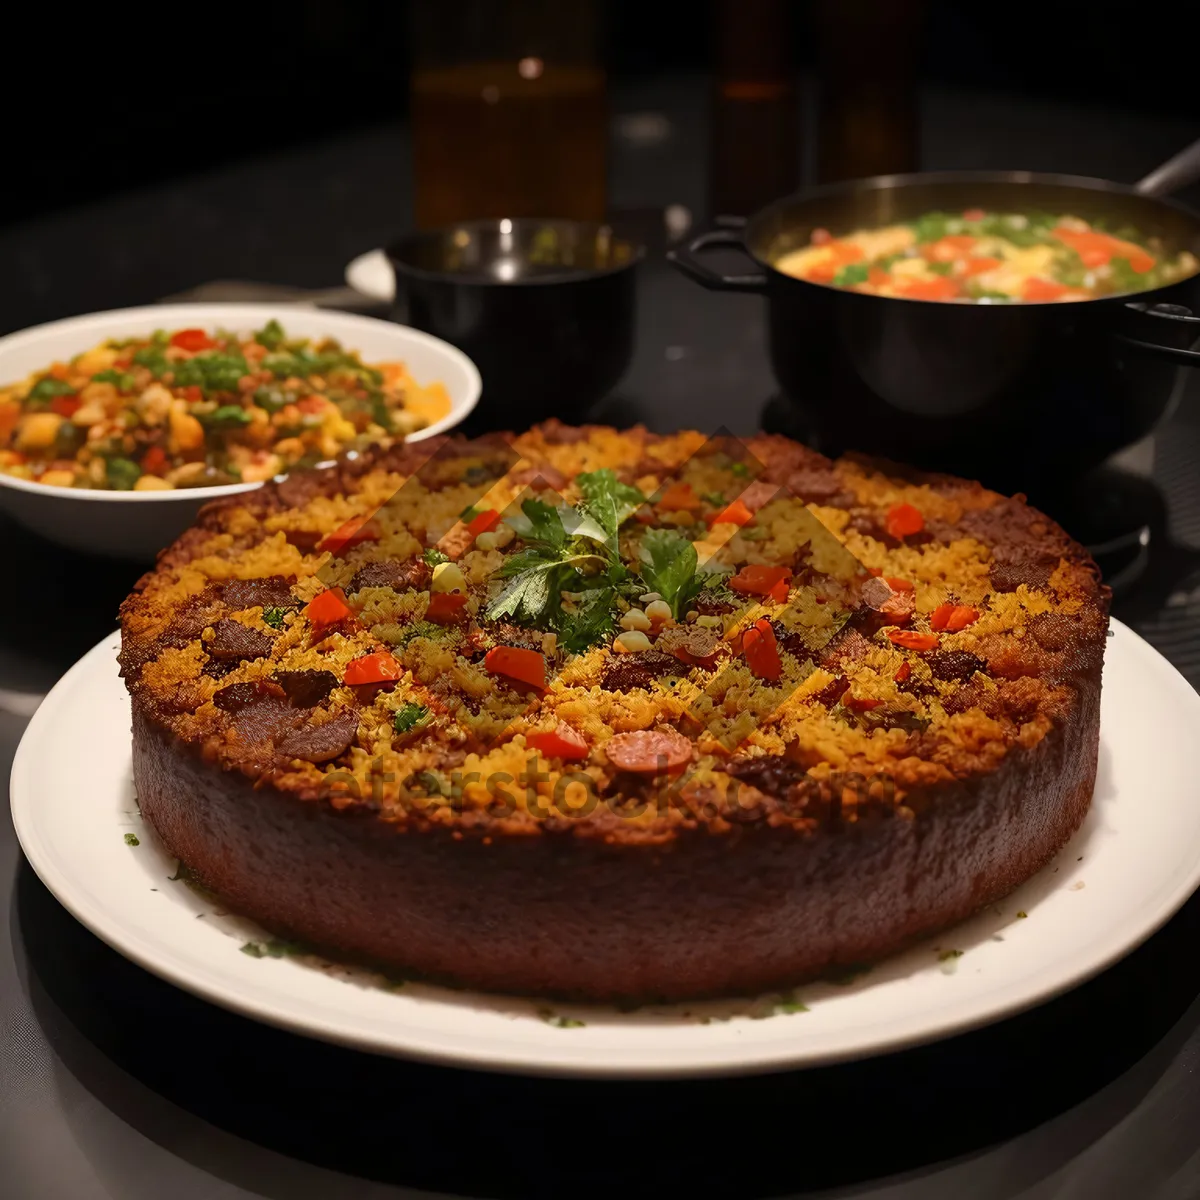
(938, 268)
(592, 623)
(568, 550)
(121, 380)
(409, 716)
(669, 567)
(607, 500)
(228, 416)
(946, 955)
(48, 388)
(271, 335)
(851, 274)
(131, 839)
(274, 617)
(548, 566)
(434, 557)
(740, 470)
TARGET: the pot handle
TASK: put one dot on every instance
(687, 259)
(1182, 322)
(1175, 173)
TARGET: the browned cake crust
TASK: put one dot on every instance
(796, 877)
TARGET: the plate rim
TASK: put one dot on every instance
(506, 1056)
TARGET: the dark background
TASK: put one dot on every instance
(102, 101)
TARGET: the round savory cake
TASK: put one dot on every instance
(613, 715)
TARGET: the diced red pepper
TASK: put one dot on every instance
(193, 393)
(950, 247)
(66, 406)
(953, 617)
(903, 520)
(525, 666)
(903, 673)
(312, 405)
(192, 340)
(1042, 290)
(762, 652)
(911, 639)
(328, 609)
(485, 522)
(940, 287)
(352, 533)
(733, 514)
(155, 461)
(679, 497)
(561, 742)
(973, 214)
(860, 703)
(779, 593)
(446, 607)
(977, 264)
(379, 667)
(900, 585)
(757, 579)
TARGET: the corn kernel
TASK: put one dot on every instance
(632, 642)
(448, 577)
(635, 619)
(658, 611)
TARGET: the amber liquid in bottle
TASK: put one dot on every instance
(868, 119)
(755, 118)
(509, 110)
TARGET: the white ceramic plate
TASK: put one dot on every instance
(136, 525)
(372, 274)
(1134, 862)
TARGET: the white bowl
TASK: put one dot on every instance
(136, 525)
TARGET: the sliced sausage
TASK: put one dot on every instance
(624, 672)
(320, 743)
(1032, 572)
(239, 696)
(306, 689)
(884, 605)
(413, 573)
(759, 494)
(693, 644)
(275, 591)
(649, 752)
(954, 664)
(232, 641)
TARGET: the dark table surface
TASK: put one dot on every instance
(113, 1084)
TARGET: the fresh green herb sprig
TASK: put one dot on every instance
(274, 617)
(409, 716)
(670, 567)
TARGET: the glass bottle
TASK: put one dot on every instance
(509, 110)
(868, 52)
(755, 120)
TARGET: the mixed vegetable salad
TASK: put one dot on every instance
(989, 257)
(191, 408)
